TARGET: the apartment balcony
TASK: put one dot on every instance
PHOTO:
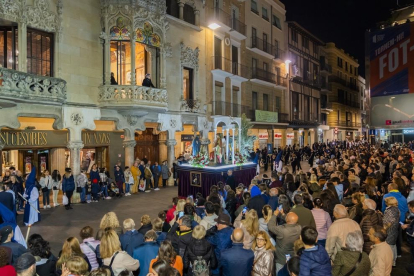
(231, 109)
(16, 86)
(190, 105)
(283, 118)
(343, 82)
(263, 76)
(263, 48)
(345, 124)
(280, 56)
(281, 82)
(326, 69)
(325, 86)
(228, 68)
(348, 103)
(326, 107)
(229, 24)
(130, 96)
(311, 79)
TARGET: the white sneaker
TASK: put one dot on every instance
(156, 189)
(108, 197)
(44, 207)
(48, 206)
(148, 191)
(88, 201)
(56, 205)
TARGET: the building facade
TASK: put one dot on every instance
(342, 101)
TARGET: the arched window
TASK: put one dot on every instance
(120, 53)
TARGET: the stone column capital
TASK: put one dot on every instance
(171, 142)
(129, 143)
(75, 145)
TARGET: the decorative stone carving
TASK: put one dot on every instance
(39, 16)
(76, 118)
(16, 84)
(129, 143)
(75, 145)
(11, 9)
(133, 95)
(189, 57)
(167, 50)
(190, 105)
(173, 123)
(171, 142)
(2, 144)
(132, 120)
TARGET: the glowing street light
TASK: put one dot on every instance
(214, 26)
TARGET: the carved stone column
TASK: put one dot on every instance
(171, 152)
(133, 79)
(75, 147)
(181, 12)
(197, 17)
(58, 159)
(129, 146)
(22, 45)
(162, 155)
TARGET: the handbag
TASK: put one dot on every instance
(79, 190)
(55, 188)
(45, 189)
(65, 200)
(141, 186)
(355, 266)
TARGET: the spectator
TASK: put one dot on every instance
(131, 239)
(167, 253)
(199, 257)
(391, 223)
(209, 219)
(249, 223)
(267, 215)
(170, 213)
(145, 224)
(89, 246)
(381, 256)
(273, 198)
(76, 266)
(237, 261)
(165, 226)
(305, 216)
(322, 220)
(111, 252)
(6, 240)
(314, 259)
(410, 231)
(293, 265)
(352, 260)
(109, 220)
(26, 265)
(402, 201)
(286, 235)
(263, 255)
(355, 212)
(5, 267)
(146, 252)
(338, 231)
(157, 227)
(256, 201)
(180, 235)
(147, 81)
(370, 218)
(221, 239)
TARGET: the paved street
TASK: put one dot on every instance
(58, 224)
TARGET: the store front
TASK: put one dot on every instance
(47, 150)
(290, 138)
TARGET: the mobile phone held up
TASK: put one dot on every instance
(245, 209)
(180, 214)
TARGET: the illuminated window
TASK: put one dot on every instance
(39, 53)
(188, 93)
(8, 50)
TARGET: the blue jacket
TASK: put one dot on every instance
(220, 241)
(144, 254)
(141, 168)
(402, 204)
(119, 175)
(94, 175)
(161, 236)
(315, 261)
(131, 240)
(68, 184)
(273, 202)
(236, 261)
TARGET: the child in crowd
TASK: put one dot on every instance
(129, 180)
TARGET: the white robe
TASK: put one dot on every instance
(33, 216)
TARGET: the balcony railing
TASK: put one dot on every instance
(279, 54)
(343, 82)
(222, 16)
(190, 105)
(346, 123)
(348, 103)
(15, 85)
(238, 26)
(230, 66)
(130, 95)
(283, 117)
(263, 75)
(231, 109)
(263, 46)
(325, 105)
(281, 81)
(326, 67)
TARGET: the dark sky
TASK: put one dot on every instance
(341, 21)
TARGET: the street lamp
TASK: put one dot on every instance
(214, 26)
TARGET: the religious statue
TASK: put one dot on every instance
(196, 145)
(217, 148)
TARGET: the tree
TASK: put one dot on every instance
(246, 141)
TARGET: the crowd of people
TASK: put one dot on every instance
(350, 214)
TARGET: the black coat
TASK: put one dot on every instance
(145, 228)
(257, 204)
(231, 207)
(179, 239)
(199, 248)
(7, 200)
(147, 82)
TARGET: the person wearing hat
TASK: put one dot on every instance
(221, 239)
(26, 265)
(6, 235)
(68, 186)
(31, 193)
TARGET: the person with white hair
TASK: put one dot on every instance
(352, 258)
(338, 231)
(370, 218)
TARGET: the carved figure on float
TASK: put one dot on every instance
(218, 145)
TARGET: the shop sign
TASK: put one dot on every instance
(290, 135)
(408, 131)
(266, 116)
(263, 136)
(95, 138)
(278, 135)
(186, 137)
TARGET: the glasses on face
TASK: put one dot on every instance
(260, 240)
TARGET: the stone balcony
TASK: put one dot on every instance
(127, 96)
(16, 86)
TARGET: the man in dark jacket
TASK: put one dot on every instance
(230, 180)
(314, 259)
(131, 239)
(147, 81)
(237, 261)
(6, 199)
(146, 252)
(156, 172)
(256, 201)
(221, 239)
(273, 198)
(180, 235)
(370, 218)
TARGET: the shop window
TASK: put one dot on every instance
(39, 53)
(188, 93)
(8, 47)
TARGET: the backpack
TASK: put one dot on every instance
(200, 267)
(109, 267)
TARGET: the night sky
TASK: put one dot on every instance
(341, 21)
